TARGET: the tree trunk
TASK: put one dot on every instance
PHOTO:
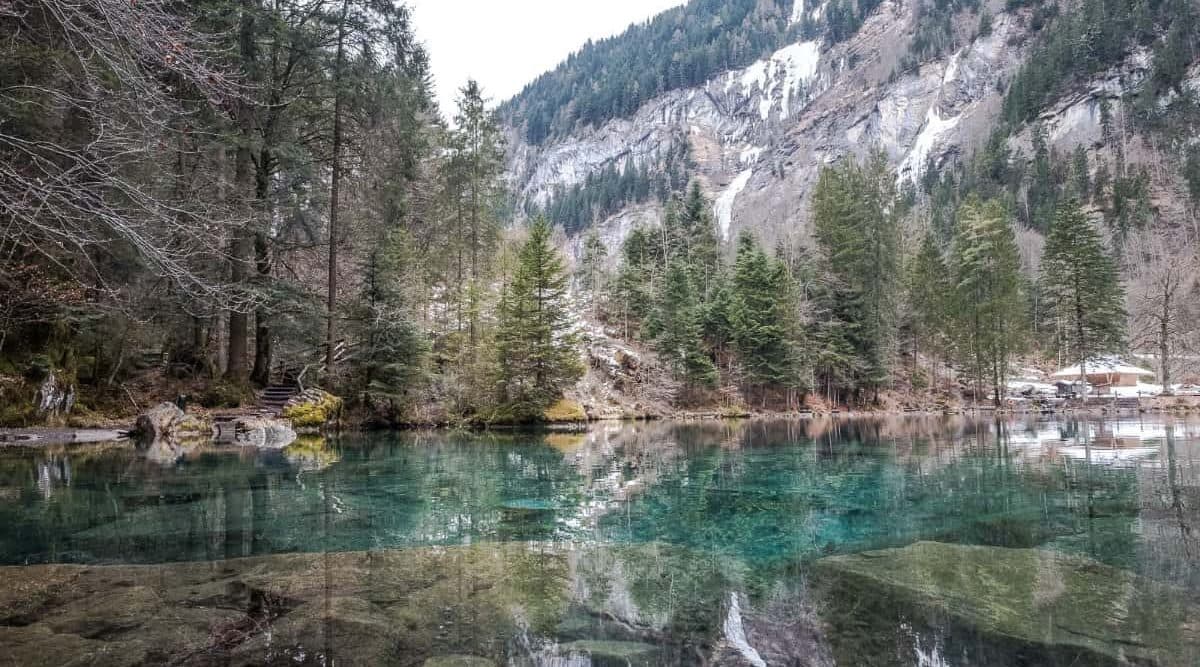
(262, 262)
(335, 184)
(262, 329)
(239, 249)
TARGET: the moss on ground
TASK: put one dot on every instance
(565, 411)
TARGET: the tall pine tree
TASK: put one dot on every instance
(536, 348)
(1080, 283)
(991, 307)
(855, 222)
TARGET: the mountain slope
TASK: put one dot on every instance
(927, 86)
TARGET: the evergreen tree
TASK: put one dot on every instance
(676, 323)
(536, 348)
(854, 218)
(1080, 283)
(473, 175)
(699, 236)
(929, 298)
(592, 278)
(633, 288)
(759, 325)
(394, 349)
(991, 308)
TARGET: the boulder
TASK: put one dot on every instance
(55, 397)
(263, 432)
(312, 409)
(159, 423)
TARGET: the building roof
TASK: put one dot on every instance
(1102, 366)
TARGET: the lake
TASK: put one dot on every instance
(922, 541)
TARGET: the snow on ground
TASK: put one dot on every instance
(931, 132)
(952, 67)
(1016, 387)
(724, 204)
(1142, 389)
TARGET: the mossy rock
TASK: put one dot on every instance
(565, 411)
(314, 409)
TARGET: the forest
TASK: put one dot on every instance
(248, 193)
(238, 194)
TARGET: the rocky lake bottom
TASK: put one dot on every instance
(943, 541)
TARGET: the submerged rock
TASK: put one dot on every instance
(784, 631)
(1073, 608)
(459, 661)
(356, 608)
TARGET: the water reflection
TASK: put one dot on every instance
(812, 542)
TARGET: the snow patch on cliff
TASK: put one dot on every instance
(932, 131)
(788, 70)
(724, 203)
(797, 12)
(799, 62)
(750, 155)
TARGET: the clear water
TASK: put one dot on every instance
(899, 542)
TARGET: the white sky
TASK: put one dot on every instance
(505, 44)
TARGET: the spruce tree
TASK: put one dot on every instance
(854, 218)
(929, 299)
(536, 348)
(756, 316)
(678, 330)
(991, 307)
(1080, 283)
(592, 277)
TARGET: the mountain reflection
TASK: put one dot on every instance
(802, 542)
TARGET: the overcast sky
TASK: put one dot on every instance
(505, 44)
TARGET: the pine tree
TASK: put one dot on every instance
(591, 271)
(929, 298)
(854, 218)
(756, 315)
(633, 286)
(394, 350)
(473, 175)
(1080, 282)
(536, 348)
(678, 332)
(991, 307)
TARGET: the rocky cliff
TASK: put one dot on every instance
(759, 136)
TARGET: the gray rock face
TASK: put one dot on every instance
(159, 424)
(759, 136)
(54, 397)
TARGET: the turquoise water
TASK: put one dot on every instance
(822, 539)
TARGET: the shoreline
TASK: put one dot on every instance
(46, 436)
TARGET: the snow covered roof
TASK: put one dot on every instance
(1102, 366)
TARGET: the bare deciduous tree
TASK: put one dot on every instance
(86, 137)
(1162, 297)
